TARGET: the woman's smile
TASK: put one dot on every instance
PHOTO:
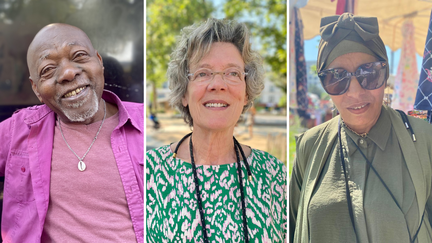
(217, 96)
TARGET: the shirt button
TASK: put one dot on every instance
(361, 141)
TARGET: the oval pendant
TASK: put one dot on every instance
(81, 166)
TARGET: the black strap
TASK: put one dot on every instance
(347, 190)
(237, 148)
(349, 201)
(407, 124)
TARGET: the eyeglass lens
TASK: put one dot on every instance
(370, 76)
(232, 74)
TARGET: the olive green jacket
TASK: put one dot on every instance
(313, 149)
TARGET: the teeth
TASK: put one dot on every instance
(215, 105)
(74, 92)
(359, 107)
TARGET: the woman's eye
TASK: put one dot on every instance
(234, 74)
(201, 75)
(368, 65)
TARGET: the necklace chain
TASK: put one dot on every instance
(81, 164)
(363, 135)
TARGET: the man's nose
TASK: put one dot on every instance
(68, 71)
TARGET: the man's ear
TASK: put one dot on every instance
(100, 59)
(35, 90)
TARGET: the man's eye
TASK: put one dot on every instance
(46, 71)
(80, 55)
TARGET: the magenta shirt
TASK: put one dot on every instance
(25, 160)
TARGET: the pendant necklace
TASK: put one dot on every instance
(237, 147)
(81, 165)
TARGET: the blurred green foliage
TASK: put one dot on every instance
(165, 19)
(267, 22)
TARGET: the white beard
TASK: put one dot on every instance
(73, 116)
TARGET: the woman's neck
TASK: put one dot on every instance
(209, 148)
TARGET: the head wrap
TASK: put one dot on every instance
(346, 34)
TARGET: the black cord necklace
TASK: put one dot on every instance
(348, 192)
(237, 147)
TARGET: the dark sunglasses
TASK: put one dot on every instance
(370, 76)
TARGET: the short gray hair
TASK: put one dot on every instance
(195, 42)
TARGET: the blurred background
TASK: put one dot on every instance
(115, 28)
(266, 20)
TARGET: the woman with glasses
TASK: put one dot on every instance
(208, 187)
(365, 175)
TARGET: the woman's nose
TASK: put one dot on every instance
(355, 88)
(218, 82)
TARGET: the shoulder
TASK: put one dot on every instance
(134, 109)
(132, 105)
(270, 162)
(27, 116)
(325, 131)
(158, 155)
(421, 128)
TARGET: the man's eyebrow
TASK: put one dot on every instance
(43, 57)
(77, 43)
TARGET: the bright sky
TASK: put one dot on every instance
(311, 53)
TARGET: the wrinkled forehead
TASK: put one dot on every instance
(55, 36)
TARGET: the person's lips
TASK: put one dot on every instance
(358, 108)
(74, 92)
(216, 104)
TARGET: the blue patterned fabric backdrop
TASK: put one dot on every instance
(423, 99)
(301, 74)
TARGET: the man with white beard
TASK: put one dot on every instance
(73, 166)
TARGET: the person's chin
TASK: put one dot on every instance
(215, 125)
(81, 110)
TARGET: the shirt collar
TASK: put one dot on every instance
(123, 113)
(379, 133)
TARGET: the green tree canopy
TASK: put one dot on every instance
(267, 22)
(164, 20)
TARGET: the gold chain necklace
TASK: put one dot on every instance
(363, 135)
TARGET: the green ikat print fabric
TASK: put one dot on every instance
(171, 204)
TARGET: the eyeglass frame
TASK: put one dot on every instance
(353, 74)
(213, 74)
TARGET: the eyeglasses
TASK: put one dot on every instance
(370, 76)
(230, 75)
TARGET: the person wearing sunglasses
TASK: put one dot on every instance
(208, 187)
(365, 175)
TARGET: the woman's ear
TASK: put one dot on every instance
(184, 101)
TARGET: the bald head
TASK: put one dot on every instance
(54, 36)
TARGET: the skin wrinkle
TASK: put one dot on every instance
(214, 129)
(73, 63)
(224, 67)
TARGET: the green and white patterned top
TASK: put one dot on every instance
(172, 210)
